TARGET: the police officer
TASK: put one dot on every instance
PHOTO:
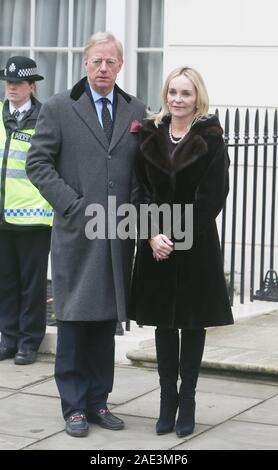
(25, 220)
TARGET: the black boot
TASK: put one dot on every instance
(167, 350)
(192, 348)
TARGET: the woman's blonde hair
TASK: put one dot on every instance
(202, 101)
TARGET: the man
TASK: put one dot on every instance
(25, 219)
(83, 153)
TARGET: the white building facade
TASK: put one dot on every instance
(233, 44)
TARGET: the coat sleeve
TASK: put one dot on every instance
(212, 191)
(141, 192)
(141, 198)
(42, 158)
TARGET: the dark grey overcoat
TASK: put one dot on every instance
(73, 166)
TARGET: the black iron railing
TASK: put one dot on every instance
(248, 218)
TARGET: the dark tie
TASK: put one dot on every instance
(106, 119)
(16, 114)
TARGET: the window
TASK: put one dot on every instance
(150, 52)
(52, 32)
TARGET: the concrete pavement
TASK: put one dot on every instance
(233, 412)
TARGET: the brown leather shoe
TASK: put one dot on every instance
(106, 419)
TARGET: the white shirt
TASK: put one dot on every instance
(25, 107)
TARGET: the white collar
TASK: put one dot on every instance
(25, 107)
(96, 96)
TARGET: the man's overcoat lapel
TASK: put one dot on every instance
(83, 108)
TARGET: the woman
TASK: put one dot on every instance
(25, 220)
(182, 160)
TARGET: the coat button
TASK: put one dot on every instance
(111, 184)
(109, 157)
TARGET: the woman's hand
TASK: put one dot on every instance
(162, 247)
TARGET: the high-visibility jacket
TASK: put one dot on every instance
(20, 202)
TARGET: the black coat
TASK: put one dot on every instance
(188, 290)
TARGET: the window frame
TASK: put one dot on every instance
(32, 49)
(122, 18)
(131, 46)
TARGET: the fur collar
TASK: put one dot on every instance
(154, 145)
(79, 88)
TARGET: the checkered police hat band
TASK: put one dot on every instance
(28, 72)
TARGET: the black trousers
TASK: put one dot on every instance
(84, 367)
(23, 282)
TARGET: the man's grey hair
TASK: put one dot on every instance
(100, 37)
